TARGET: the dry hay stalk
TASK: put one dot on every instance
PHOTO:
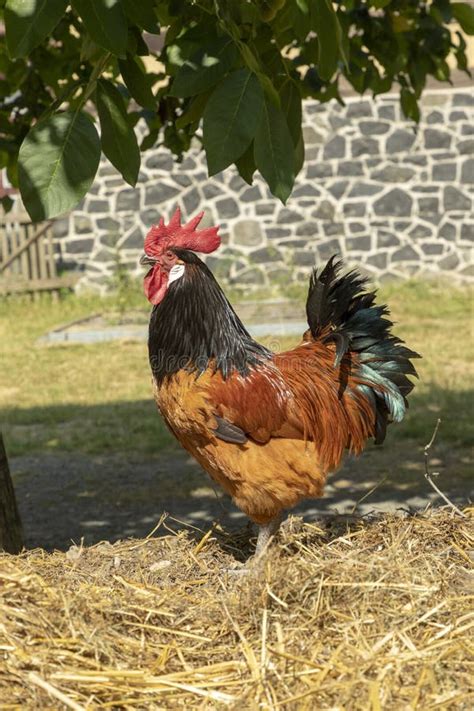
(371, 613)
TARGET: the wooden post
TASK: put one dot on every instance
(11, 535)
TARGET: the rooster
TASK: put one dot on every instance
(268, 427)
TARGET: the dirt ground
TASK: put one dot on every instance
(111, 497)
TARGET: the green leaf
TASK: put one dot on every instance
(274, 151)
(194, 111)
(137, 82)
(118, 139)
(246, 165)
(28, 22)
(58, 161)
(106, 23)
(205, 68)
(330, 45)
(409, 104)
(464, 14)
(231, 118)
(142, 13)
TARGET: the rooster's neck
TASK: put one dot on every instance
(195, 327)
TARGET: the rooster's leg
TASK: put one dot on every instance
(265, 534)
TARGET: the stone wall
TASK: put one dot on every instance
(390, 197)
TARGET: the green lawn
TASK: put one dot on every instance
(97, 398)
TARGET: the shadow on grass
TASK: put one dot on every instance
(110, 471)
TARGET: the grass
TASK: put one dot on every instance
(97, 398)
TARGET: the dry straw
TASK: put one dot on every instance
(373, 613)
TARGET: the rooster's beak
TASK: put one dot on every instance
(145, 260)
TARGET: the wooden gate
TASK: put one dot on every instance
(27, 263)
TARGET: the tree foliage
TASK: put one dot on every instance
(230, 73)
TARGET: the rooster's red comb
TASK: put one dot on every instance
(161, 237)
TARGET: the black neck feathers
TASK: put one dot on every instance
(195, 327)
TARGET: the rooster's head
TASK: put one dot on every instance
(162, 245)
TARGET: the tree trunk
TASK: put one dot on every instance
(11, 535)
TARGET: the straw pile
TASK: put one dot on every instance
(351, 613)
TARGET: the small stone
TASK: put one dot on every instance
(128, 199)
(251, 194)
(428, 205)
(319, 170)
(279, 275)
(277, 232)
(265, 208)
(405, 254)
(387, 239)
(248, 233)
(335, 148)
(188, 165)
(327, 249)
(435, 117)
(159, 193)
(454, 199)
(467, 129)
(149, 217)
(252, 276)
(420, 232)
(393, 174)
(395, 202)
(160, 161)
(61, 227)
(435, 138)
(78, 246)
(325, 211)
(338, 188)
(308, 228)
(312, 137)
(191, 200)
(359, 109)
(467, 171)
(457, 116)
(378, 260)
(432, 248)
(400, 140)
(103, 256)
(365, 146)
(82, 225)
(360, 243)
(183, 180)
(98, 205)
(333, 228)
(304, 258)
(134, 240)
(416, 159)
(364, 189)
(211, 190)
(306, 190)
(444, 171)
(227, 207)
(467, 232)
(463, 100)
(354, 209)
(356, 227)
(266, 254)
(350, 168)
(109, 224)
(373, 128)
(450, 261)
(293, 243)
(387, 112)
(288, 216)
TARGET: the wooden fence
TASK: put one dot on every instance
(27, 263)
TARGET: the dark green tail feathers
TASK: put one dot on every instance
(341, 309)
